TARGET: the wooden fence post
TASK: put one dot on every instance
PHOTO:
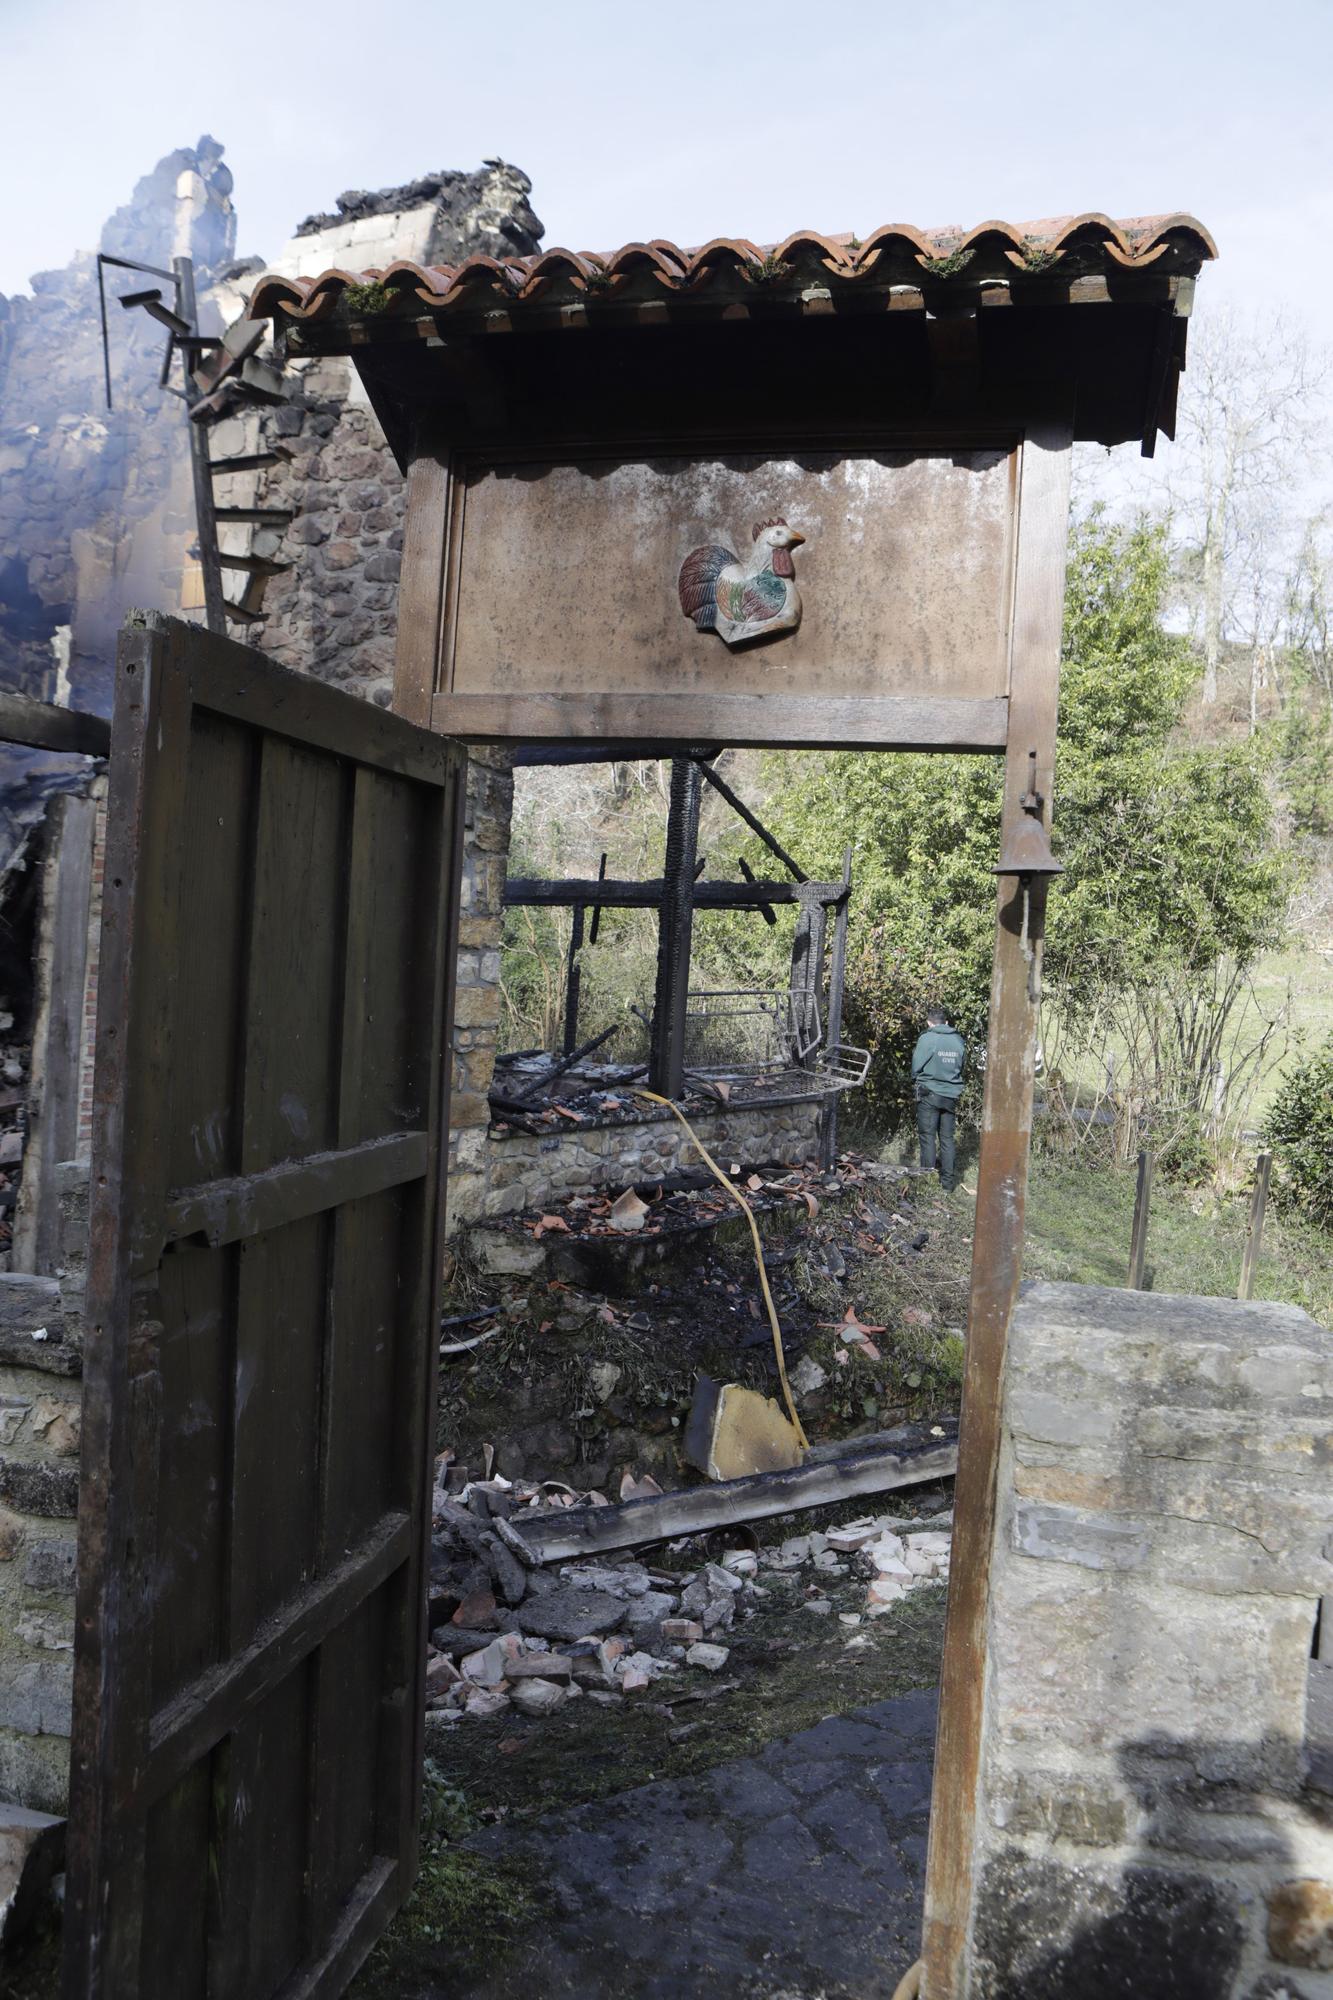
(1138, 1241)
(1254, 1229)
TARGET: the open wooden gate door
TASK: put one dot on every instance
(275, 993)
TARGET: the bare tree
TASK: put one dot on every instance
(1309, 615)
(1251, 415)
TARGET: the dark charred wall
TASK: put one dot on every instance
(95, 503)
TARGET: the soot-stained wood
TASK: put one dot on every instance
(282, 868)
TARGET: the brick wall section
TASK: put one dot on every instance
(1163, 1535)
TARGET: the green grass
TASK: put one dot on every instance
(1078, 1230)
(1308, 974)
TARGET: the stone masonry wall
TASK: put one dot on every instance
(519, 1170)
(1164, 1531)
(40, 1367)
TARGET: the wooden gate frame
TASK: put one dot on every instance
(1021, 725)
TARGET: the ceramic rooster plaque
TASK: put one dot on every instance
(744, 600)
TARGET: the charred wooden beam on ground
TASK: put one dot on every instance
(863, 1466)
(567, 1062)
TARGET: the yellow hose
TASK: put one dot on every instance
(909, 1986)
(736, 1195)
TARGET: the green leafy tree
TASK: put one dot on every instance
(1167, 848)
(1299, 1127)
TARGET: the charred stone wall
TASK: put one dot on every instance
(95, 504)
(1149, 1824)
(521, 1170)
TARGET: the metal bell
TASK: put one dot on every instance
(1027, 850)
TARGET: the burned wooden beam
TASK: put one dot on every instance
(675, 934)
(45, 726)
(602, 752)
(866, 1466)
(766, 910)
(523, 1098)
(596, 925)
(755, 825)
(573, 980)
(527, 891)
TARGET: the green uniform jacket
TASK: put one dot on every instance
(937, 1063)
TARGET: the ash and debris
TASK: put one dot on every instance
(574, 1355)
(611, 1628)
(532, 1094)
(588, 1393)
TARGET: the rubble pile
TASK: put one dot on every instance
(505, 1637)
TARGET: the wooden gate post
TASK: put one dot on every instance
(1254, 1228)
(997, 1240)
(1138, 1240)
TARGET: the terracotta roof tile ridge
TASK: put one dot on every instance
(1136, 243)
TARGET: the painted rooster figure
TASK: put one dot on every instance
(744, 600)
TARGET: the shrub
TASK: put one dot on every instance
(1299, 1128)
(1189, 1155)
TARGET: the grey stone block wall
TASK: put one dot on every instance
(518, 1170)
(1164, 1532)
(39, 1497)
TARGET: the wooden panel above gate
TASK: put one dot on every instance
(276, 970)
(567, 574)
(638, 596)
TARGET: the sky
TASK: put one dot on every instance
(700, 119)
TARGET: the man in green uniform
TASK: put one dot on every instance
(937, 1076)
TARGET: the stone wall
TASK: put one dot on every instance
(96, 507)
(490, 805)
(1164, 1532)
(40, 1366)
(518, 1170)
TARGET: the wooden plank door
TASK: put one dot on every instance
(276, 977)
